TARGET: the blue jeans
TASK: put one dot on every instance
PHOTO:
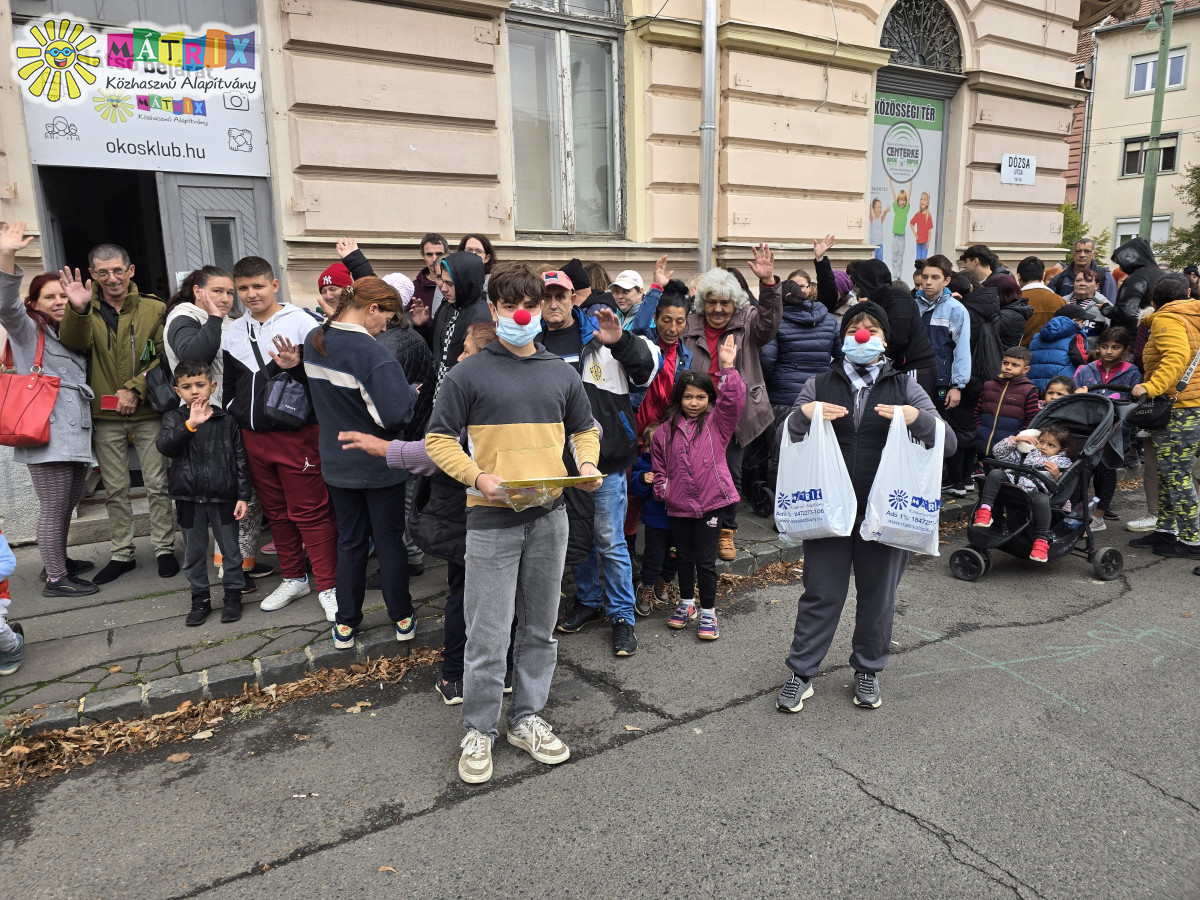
(609, 552)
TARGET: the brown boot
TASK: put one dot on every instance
(644, 604)
(725, 548)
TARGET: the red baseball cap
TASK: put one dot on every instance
(559, 278)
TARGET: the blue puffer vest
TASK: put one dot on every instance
(800, 350)
(1051, 351)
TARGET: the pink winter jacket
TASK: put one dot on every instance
(690, 473)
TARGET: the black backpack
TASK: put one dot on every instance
(987, 353)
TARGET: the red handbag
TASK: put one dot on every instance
(26, 401)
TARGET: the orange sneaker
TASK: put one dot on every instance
(1041, 549)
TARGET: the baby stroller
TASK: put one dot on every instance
(1094, 422)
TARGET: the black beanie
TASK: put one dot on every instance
(874, 310)
(577, 273)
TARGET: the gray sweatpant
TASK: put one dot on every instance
(877, 573)
(509, 570)
(195, 546)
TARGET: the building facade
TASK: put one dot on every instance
(1122, 63)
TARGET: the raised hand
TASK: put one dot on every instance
(345, 246)
(661, 273)
(199, 412)
(285, 353)
(727, 352)
(79, 292)
(12, 238)
(206, 303)
(821, 247)
(609, 326)
(419, 314)
(763, 264)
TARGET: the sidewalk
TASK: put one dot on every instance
(126, 650)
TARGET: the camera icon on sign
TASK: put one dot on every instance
(236, 100)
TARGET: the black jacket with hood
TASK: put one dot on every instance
(1136, 259)
(983, 305)
(452, 319)
(908, 345)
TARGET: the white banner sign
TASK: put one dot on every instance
(1016, 168)
(142, 97)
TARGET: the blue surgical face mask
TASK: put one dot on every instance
(518, 335)
(861, 354)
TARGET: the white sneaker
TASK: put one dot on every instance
(1146, 523)
(289, 589)
(328, 600)
(475, 764)
(535, 736)
(1098, 523)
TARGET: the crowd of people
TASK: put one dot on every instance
(516, 420)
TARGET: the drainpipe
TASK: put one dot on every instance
(708, 133)
(1154, 152)
(1086, 147)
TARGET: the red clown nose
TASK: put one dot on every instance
(862, 335)
(521, 317)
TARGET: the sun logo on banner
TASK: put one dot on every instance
(57, 59)
(113, 107)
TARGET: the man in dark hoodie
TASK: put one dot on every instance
(609, 360)
(462, 293)
(909, 347)
(1136, 259)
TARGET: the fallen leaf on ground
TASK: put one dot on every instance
(388, 869)
(301, 737)
(202, 735)
(354, 709)
(335, 706)
(364, 703)
(112, 670)
(179, 757)
(17, 750)
(39, 706)
(633, 728)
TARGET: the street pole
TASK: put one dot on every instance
(1153, 150)
(708, 133)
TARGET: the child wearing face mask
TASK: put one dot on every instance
(1047, 450)
(858, 396)
(692, 479)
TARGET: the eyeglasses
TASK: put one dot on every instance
(480, 252)
(104, 273)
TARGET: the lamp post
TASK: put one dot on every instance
(1153, 150)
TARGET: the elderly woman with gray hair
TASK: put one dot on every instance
(721, 307)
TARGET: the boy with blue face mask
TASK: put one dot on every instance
(519, 405)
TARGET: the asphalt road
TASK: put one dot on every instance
(1037, 740)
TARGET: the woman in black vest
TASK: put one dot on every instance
(858, 394)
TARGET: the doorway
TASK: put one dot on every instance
(86, 207)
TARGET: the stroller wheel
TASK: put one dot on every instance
(969, 564)
(1108, 563)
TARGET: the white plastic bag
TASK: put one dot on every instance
(814, 496)
(904, 506)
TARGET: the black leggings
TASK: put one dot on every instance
(1039, 503)
(1104, 481)
(696, 547)
(659, 556)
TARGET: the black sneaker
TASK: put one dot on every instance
(793, 694)
(1178, 550)
(232, 610)
(168, 566)
(451, 691)
(74, 567)
(68, 586)
(201, 607)
(624, 640)
(1112, 516)
(1154, 539)
(957, 490)
(578, 617)
(260, 570)
(114, 570)
(416, 569)
(866, 690)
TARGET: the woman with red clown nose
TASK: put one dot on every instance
(858, 396)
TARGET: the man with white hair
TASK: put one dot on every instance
(721, 307)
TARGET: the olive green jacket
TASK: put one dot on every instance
(117, 359)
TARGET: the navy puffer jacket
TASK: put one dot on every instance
(801, 348)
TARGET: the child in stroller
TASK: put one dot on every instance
(1050, 454)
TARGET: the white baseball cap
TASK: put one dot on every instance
(628, 280)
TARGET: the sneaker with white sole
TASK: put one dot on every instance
(1146, 523)
(866, 690)
(1098, 523)
(343, 637)
(475, 764)
(793, 694)
(328, 599)
(406, 629)
(289, 589)
(535, 736)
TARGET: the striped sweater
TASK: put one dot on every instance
(518, 412)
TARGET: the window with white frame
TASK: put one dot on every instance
(566, 154)
(1143, 71)
(1126, 228)
(1133, 159)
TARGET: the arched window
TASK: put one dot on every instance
(923, 34)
